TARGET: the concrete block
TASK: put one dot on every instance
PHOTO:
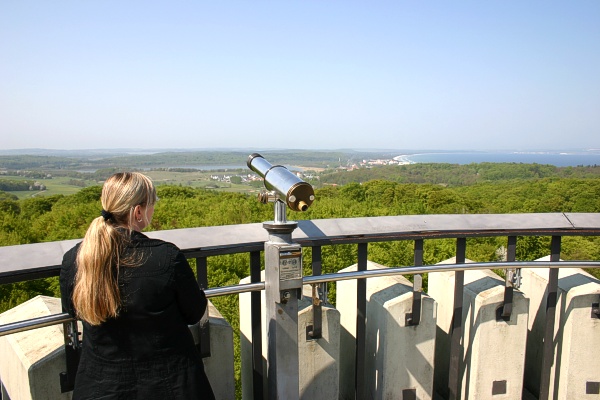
(32, 360)
(318, 359)
(219, 366)
(493, 349)
(246, 342)
(399, 358)
(576, 362)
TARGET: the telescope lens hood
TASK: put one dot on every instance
(252, 157)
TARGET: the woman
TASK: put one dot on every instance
(136, 297)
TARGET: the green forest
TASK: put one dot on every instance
(458, 175)
(421, 189)
(106, 160)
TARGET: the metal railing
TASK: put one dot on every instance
(20, 263)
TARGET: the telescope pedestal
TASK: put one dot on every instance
(283, 275)
(283, 285)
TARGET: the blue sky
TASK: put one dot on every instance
(300, 74)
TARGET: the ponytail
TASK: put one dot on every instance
(96, 295)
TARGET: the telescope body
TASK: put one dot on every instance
(297, 194)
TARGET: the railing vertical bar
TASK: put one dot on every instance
(203, 326)
(361, 322)
(511, 251)
(316, 260)
(256, 318)
(317, 328)
(456, 348)
(3, 392)
(202, 272)
(72, 355)
(414, 317)
(551, 301)
(511, 254)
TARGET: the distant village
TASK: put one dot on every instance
(399, 160)
(309, 174)
(35, 181)
(237, 178)
(247, 178)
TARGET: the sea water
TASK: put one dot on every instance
(557, 159)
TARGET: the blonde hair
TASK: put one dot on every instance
(96, 295)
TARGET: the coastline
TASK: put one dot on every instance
(404, 159)
(558, 159)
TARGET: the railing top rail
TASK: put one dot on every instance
(20, 326)
(40, 260)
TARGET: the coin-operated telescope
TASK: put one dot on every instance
(283, 275)
(282, 186)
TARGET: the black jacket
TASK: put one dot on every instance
(147, 352)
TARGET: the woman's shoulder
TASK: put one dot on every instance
(68, 268)
(162, 254)
(138, 239)
(71, 254)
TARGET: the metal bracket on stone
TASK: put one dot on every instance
(203, 345)
(319, 297)
(72, 354)
(414, 317)
(512, 281)
(596, 309)
(513, 277)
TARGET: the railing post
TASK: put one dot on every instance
(456, 347)
(512, 279)
(316, 330)
(203, 326)
(3, 393)
(255, 316)
(283, 288)
(72, 354)
(361, 322)
(551, 301)
(414, 317)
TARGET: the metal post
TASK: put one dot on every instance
(283, 285)
(72, 354)
(318, 298)
(3, 392)
(512, 281)
(414, 317)
(255, 315)
(456, 347)
(551, 301)
(361, 323)
(203, 345)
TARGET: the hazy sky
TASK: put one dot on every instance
(322, 74)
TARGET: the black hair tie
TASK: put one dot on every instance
(106, 215)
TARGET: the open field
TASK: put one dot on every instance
(59, 185)
(196, 179)
(222, 171)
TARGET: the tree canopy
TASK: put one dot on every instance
(475, 189)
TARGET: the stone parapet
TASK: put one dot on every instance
(399, 358)
(32, 360)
